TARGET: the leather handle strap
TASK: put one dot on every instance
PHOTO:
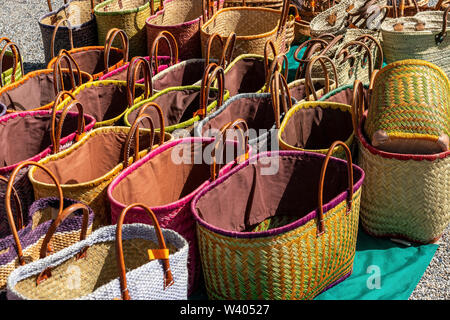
(17, 203)
(49, 4)
(321, 225)
(368, 38)
(211, 39)
(52, 42)
(358, 105)
(134, 131)
(59, 98)
(217, 73)
(8, 210)
(228, 50)
(58, 73)
(309, 86)
(283, 17)
(284, 96)
(277, 64)
(208, 9)
(80, 127)
(110, 36)
(44, 275)
(348, 55)
(223, 131)
(17, 60)
(171, 43)
(443, 34)
(372, 81)
(152, 6)
(135, 65)
(168, 277)
(268, 45)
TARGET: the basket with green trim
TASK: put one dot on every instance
(409, 110)
(11, 64)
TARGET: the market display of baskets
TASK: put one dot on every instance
(228, 149)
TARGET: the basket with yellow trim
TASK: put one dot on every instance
(292, 244)
(11, 63)
(409, 110)
(87, 168)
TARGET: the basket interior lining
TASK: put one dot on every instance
(247, 75)
(91, 61)
(183, 75)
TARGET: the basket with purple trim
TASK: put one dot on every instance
(270, 229)
(47, 227)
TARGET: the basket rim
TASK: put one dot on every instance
(238, 37)
(286, 228)
(312, 104)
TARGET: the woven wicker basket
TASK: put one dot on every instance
(110, 144)
(258, 244)
(409, 110)
(404, 195)
(25, 245)
(253, 28)
(11, 63)
(82, 24)
(127, 15)
(430, 44)
(138, 262)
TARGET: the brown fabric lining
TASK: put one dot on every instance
(161, 181)
(24, 137)
(35, 92)
(177, 106)
(105, 101)
(246, 76)
(182, 75)
(317, 128)
(92, 60)
(257, 112)
(292, 192)
(298, 92)
(97, 156)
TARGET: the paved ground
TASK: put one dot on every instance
(19, 21)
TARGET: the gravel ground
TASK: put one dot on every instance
(19, 22)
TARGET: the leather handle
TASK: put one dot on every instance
(17, 60)
(59, 98)
(269, 45)
(209, 46)
(368, 38)
(283, 17)
(228, 50)
(134, 131)
(347, 55)
(52, 42)
(309, 86)
(8, 203)
(217, 73)
(358, 105)
(134, 67)
(58, 73)
(80, 127)
(230, 125)
(208, 9)
(110, 36)
(168, 277)
(44, 275)
(443, 34)
(49, 4)
(277, 64)
(152, 6)
(284, 97)
(321, 225)
(171, 43)
(311, 46)
(372, 81)
(17, 203)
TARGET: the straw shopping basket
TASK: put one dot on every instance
(404, 195)
(24, 244)
(127, 15)
(11, 63)
(167, 185)
(429, 43)
(115, 265)
(291, 245)
(87, 168)
(38, 89)
(34, 130)
(98, 60)
(409, 110)
(253, 28)
(81, 24)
